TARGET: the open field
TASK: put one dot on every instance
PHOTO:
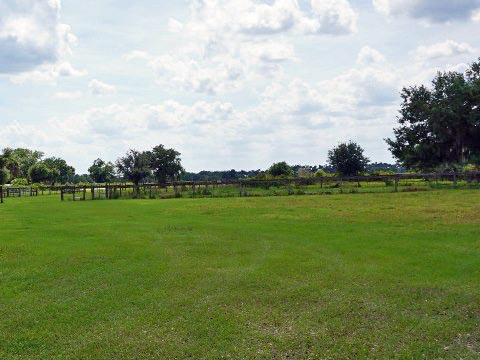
(339, 276)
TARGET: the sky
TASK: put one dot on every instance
(228, 83)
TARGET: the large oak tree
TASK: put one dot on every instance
(440, 124)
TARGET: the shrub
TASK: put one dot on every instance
(321, 173)
(20, 182)
(281, 169)
(388, 182)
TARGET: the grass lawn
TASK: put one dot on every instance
(340, 276)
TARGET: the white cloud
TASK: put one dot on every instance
(370, 56)
(444, 49)
(100, 88)
(48, 72)
(174, 25)
(476, 16)
(334, 16)
(68, 95)
(33, 41)
(436, 11)
(228, 43)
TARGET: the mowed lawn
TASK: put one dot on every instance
(341, 276)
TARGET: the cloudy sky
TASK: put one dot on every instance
(229, 83)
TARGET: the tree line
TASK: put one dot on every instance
(438, 130)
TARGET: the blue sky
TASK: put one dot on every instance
(228, 83)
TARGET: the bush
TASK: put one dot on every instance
(20, 182)
(321, 173)
(281, 169)
(471, 168)
(388, 182)
(449, 168)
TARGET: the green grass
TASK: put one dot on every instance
(340, 276)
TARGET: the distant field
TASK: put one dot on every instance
(339, 276)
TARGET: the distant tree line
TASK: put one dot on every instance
(24, 165)
(438, 130)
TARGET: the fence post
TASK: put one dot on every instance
(61, 193)
(396, 183)
(1, 194)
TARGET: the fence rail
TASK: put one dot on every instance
(242, 188)
(226, 188)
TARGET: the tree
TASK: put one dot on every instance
(20, 160)
(61, 171)
(280, 169)
(348, 159)
(440, 125)
(134, 166)
(165, 164)
(101, 171)
(41, 173)
(4, 175)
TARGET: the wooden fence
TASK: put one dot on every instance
(322, 185)
(247, 187)
(10, 192)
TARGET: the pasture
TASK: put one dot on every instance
(386, 275)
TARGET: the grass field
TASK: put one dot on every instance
(340, 276)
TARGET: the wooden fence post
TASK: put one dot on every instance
(1, 194)
(396, 183)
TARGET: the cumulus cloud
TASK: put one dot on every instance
(334, 16)
(431, 10)
(476, 16)
(226, 43)
(370, 56)
(48, 72)
(68, 95)
(100, 88)
(33, 41)
(448, 48)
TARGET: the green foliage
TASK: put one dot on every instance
(134, 166)
(449, 168)
(263, 176)
(321, 173)
(348, 159)
(20, 160)
(41, 173)
(4, 176)
(441, 124)
(382, 172)
(304, 172)
(61, 172)
(20, 182)
(102, 172)
(280, 169)
(165, 164)
(471, 168)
